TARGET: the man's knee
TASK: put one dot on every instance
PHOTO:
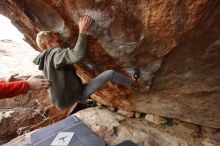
(109, 72)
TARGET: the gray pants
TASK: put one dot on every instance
(100, 80)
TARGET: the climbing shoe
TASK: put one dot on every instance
(136, 74)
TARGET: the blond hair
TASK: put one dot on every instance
(43, 37)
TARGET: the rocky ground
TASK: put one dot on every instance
(113, 128)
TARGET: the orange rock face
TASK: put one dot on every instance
(174, 43)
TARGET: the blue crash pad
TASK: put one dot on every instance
(83, 136)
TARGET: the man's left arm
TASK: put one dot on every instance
(77, 54)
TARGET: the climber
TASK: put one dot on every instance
(13, 86)
(57, 65)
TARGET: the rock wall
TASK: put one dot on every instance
(174, 43)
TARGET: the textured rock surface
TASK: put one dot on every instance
(155, 119)
(174, 43)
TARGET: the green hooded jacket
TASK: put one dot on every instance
(57, 66)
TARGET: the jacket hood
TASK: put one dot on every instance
(39, 60)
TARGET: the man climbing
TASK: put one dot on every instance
(11, 88)
(57, 65)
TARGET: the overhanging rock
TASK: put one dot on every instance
(174, 43)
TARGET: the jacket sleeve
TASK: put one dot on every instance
(11, 89)
(71, 55)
